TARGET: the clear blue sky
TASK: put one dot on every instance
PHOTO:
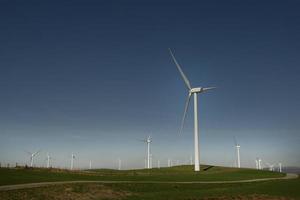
(92, 77)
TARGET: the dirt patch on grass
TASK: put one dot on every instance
(248, 197)
(66, 192)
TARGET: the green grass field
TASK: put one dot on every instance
(275, 189)
(181, 173)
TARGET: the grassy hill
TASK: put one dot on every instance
(179, 173)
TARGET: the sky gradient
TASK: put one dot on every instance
(91, 78)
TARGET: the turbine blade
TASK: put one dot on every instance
(185, 79)
(208, 88)
(185, 111)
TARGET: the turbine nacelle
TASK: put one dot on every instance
(196, 90)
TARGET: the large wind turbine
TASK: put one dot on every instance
(32, 155)
(237, 146)
(195, 92)
(148, 141)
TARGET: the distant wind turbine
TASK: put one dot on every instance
(280, 167)
(72, 161)
(237, 146)
(195, 92)
(90, 167)
(271, 166)
(48, 160)
(169, 162)
(259, 164)
(32, 155)
(148, 142)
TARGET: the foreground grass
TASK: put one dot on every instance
(268, 190)
(180, 173)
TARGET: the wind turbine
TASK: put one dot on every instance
(169, 163)
(259, 164)
(195, 92)
(148, 141)
(90, 167)
(72, 161)
(280, 167)
(237, 146)
(48, 160)
(32, 155)
(271, 166)
(158, 164)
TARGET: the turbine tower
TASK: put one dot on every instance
(195, 92)
(90, 167)
(48, 160)
(280, 167)
(237, 146)
(72, 161)
(32, 155)
(259, 164)
(148, 141)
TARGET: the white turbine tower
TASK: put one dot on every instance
(237, 146)
(195, 92)
(72, 161)
(90, 167)
(151, 161)
(259, 164)
(280, 167)
(48, 160)
(148, 141)
(169, 162)
(32, 155)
